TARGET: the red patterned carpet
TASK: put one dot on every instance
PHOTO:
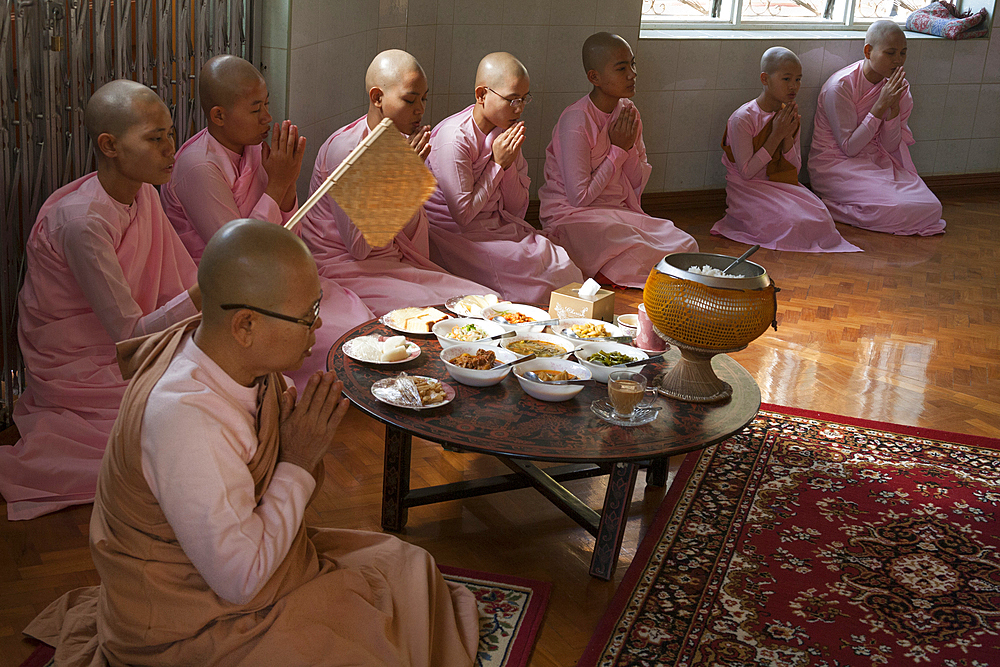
(818, 540)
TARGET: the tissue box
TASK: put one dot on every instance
(565, 303)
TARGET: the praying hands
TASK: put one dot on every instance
(420, 141)
(282, 160)
(624, 131)
(507, 145)
(890, 95)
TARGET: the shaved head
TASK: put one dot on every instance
(253, 262)
(117, 106)
(775, 57)
(389, 68)
(223, 80)
(880, 31)
(499, 69)
(600, 48)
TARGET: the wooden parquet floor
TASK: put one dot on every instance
(906, 332)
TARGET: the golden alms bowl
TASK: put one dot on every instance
(705, 315)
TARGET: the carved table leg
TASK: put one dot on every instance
(656, 473)
(613, 520)
(395, 478)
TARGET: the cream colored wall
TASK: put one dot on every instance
(315, 53)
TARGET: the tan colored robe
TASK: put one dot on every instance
(779, 169)
(339, 597)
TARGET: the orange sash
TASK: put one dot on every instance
(779, 169)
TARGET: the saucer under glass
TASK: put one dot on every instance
(602, 408)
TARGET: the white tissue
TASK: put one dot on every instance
(589, 289)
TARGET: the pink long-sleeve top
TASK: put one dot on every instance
(198, 435)
(473, 190)
(583, 167)
(212, 185)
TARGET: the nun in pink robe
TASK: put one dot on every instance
(98, 272)
(396, 275)
(477, 226)
(774, 214)
(210, 186)
(860, 165)
(590, 201)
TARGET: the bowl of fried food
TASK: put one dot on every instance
(472, 363)
(549, 371)
(604, 358)
(458, 330)
(539, 344)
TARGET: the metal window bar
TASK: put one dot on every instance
(53, 55)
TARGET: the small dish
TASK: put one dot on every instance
(603, 409)
(551, 392)
(385, 391)
(629, 324)
(565, 329)
(558, 341)
(443, 328)
(350, 350)
(529, 311)
(470, 376)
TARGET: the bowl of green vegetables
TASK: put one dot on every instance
(604, 358)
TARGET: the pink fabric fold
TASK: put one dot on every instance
(590, 201)
(396, 275)
(98, 272)
(477, 226)
(860, 165)
(773, 214)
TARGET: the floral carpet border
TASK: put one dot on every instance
(510, 614)
(623, 614)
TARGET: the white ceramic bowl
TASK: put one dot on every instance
(470, 376)
(530, 311)
(551, 392)
(548, 338)
(444, 327)
(565, 324)
(600, 371)
(629, 324)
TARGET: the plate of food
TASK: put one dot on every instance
(517, 316)
(472, 305)
(416, 392)
(413, 320)
(455, 330)
(585, 330)
(381, 349)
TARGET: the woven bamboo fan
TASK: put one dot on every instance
(379, 185)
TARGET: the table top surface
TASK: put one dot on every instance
(503, 419)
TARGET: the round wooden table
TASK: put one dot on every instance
(506, 423)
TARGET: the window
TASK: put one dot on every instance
(754, 14)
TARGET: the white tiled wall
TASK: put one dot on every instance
(316, 51)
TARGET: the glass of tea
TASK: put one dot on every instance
(626, 391)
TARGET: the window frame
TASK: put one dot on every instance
(733, 20)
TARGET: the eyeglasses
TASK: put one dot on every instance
(270, 313)
(514, 103)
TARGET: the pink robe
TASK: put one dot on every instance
(210, 186)
(477, 226)
(776, 215)
(860, 165)
(396, 275)
(98, 272)
(590, 200)
(198, 536)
